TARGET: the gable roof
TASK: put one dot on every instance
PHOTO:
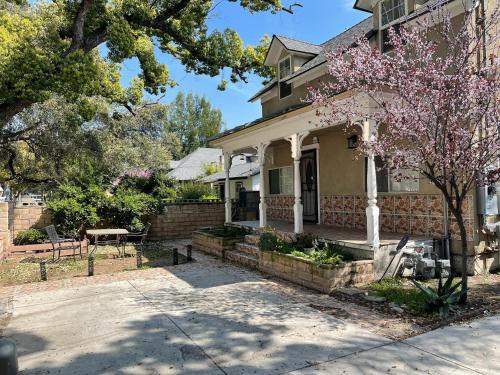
(298, 45)
(346, 38)
(318, 52)
(192, 166)
(243, 170)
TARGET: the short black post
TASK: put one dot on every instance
(176, 256)
(91, 265)
(43, 270)
(189, 253)
(138, 257)
(8, 357)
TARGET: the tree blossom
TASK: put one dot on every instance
(435, 98)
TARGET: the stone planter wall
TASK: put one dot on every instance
(211, 244)
(322, 278)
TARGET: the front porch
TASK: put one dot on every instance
(351, 238)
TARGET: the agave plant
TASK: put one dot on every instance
(443, 299)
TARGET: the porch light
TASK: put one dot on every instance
(315, 140)
(352, 141)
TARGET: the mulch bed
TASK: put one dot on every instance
(483, 300)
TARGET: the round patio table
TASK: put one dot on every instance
(120, 238)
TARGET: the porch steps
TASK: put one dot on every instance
(242, 259)
(246, 253)
(252, 239)
(248, 249)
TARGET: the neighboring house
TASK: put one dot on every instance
(244, 174)
(310, 174)
(193, 166)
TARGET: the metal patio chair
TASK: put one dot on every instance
(139, 236)
(59, 243)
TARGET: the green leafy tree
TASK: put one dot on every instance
(193, 120)
(49, 48)
(60, 145)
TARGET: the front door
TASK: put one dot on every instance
(309, 181)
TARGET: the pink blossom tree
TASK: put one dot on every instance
(435, 98)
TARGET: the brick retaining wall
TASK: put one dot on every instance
(180, 220)
(23, 218)
(323, 278)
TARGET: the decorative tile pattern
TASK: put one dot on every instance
(280, 207)
(419, 214)
(387, 223)
(419, 205)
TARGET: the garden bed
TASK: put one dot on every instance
(320, 277)
(42, 249)
(25, 268)
(404, 305)
(217, 241)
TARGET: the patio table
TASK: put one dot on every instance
(118, 232)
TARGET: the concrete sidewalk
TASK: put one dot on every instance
(209, 317)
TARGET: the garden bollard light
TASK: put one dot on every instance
(176, 256)
(91, 266)
(189, 253)
(8, 357)
(139, 258)
(43, 270)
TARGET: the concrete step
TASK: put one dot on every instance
(247, 249)
(252, 239)
(242, 259)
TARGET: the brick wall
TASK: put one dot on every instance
(180, 220)
(22, 218)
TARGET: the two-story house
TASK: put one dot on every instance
(310, 175)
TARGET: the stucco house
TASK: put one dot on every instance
(311, 179)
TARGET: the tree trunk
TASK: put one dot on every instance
(463, 238)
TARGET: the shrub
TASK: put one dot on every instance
(127, 208)
(30, 237)
(195, 190)
(269, 242)
(228, 232)
(73, 210)
(305, 241)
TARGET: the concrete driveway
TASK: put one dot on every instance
(208, 317)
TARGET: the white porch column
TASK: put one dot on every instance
(261, 153)
(372, 211)
(227, 187)
(296, 144)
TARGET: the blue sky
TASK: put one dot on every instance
(316, 22)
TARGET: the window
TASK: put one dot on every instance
(281, 181)
(398, 181)
(391, 10)
(285, 69)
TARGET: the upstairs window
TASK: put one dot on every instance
(284, 70)
(391, 10)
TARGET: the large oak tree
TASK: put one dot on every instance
(55, 47)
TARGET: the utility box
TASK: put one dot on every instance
(488, 200)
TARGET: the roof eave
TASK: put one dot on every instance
(364, 9)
